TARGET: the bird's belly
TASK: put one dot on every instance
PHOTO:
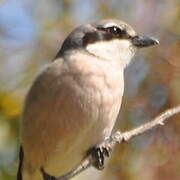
(97, 111)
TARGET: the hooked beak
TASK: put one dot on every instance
(144, 41)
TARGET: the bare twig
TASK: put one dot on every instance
(118, 137)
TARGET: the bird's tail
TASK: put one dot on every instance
(24, 174)
(19, 173)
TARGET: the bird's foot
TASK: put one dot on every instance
(99, 153)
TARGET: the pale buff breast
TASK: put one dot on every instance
(81, 104)
(98, 102)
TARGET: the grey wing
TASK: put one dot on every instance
(46, 117)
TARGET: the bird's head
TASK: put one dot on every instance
(108, 39)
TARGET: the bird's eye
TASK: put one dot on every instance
(116, 30)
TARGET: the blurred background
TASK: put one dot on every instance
(31, 33)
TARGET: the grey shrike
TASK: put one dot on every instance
(73, 104)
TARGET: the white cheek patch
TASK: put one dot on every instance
(124, 43)
(113, 50)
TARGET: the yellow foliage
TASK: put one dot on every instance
(10, 104)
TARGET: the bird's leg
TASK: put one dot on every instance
(98, 154)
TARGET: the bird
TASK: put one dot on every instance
(74, 102)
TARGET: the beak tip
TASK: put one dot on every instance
(156, 41)
(144, 41)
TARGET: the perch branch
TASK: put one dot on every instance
(119, 137)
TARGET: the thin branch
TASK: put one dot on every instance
(118, 138)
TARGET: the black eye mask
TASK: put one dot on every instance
(114, 31)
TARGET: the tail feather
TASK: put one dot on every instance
(21, 156)
(41, 173)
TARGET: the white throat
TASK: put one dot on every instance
(116, 51)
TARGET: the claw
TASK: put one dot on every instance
(99, 153)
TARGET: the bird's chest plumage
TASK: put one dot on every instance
(93, 98)
(104, 99)
(101, 86)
